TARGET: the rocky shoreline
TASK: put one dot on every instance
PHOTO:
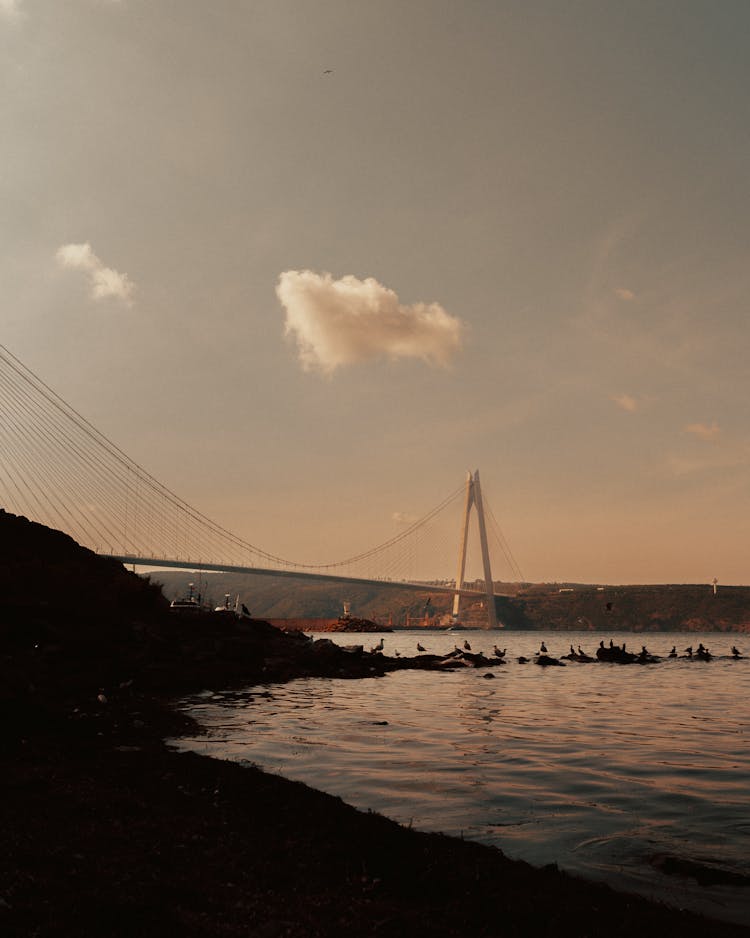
(107, 832)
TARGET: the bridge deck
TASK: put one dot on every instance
(265, 571)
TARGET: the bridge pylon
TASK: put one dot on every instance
(474, 498)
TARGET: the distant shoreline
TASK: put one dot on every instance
(531, 607)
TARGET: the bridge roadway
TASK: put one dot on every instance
(265, 571)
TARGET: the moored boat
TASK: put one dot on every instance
(189, 603)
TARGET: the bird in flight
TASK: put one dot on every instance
(328, 71)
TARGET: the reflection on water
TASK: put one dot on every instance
(602, 768)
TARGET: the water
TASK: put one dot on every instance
(601, 768)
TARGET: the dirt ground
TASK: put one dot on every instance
(104, 837)
(106, 832)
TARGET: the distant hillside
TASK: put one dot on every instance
(638, 608)
(289, 597)
(548, 607)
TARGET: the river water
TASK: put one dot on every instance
(602, 768)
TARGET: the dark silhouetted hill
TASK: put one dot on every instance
(548, 607)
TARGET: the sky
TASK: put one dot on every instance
(308, 263)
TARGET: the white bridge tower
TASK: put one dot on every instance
(474, 497)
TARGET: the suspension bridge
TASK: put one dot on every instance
(57, 469)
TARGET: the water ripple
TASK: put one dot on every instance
(600, 768)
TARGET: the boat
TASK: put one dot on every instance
(239, 610)
(227, 606)
(189, 603)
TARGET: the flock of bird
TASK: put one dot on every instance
(614, 653)
(500, 653)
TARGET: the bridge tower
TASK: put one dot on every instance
(474, 498)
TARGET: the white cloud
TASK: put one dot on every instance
(703, 431)
(400, 517)
(348, 321)
(103, 281)
(626, 402)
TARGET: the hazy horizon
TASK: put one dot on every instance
(309, 265)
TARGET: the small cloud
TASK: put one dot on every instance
(626, 402)
(349, 321)
(103, 281)
(704, 432)
(401, 517)
(624, 294)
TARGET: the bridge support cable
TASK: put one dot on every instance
(40, 469)
(62, 454)
(39, 455)
(417, 550)
(106, 466)
(504, 546)
(57, 468)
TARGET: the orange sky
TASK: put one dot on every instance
(307, 268)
